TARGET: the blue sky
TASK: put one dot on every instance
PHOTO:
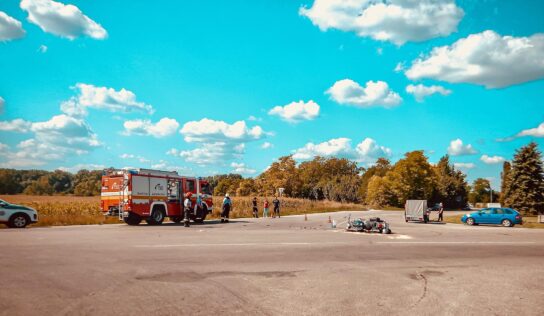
(88, 88)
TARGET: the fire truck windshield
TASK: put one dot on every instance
(206, 189)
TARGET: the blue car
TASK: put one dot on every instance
(499, 216)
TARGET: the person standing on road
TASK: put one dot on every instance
(227, 204)
(440, 212)
(426, 215)
(255, 209)
(187, 209)
(276, 203)
(265, 208)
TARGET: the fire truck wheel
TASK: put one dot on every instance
(157, 216)
(132, 219)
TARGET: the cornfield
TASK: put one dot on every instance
(72, 210)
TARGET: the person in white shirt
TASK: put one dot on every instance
(187, 205)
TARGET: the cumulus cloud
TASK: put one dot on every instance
(164, 127)
(266, 145)
(53, 140)
(464, 165)
(63, 20)
(296, 111)
(210, 153)
(210, 131)
(10, 28)
(374, 93)
(486, 58)
(420, 92)
(16, 125)
(396, 21)
(492, 159)
(104, 98)
(42, 49)
(367, 151)
(241, 168)
(535, 132)
(457, 148)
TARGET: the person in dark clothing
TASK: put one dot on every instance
(440, 212)
(426, 215)
(227, 204)
(276, 203)
(255, 209)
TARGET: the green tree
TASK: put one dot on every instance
(505, 181)
(525, 190)
(246, 187)
(451, 187)
(412, 178)
(380, 168)
(282, 173)
(42, 186)
(380, 192)
(479, 192)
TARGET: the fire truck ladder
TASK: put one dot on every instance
(122, 199)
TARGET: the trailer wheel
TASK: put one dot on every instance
(132, 219)
(157, 216)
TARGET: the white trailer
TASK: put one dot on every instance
(414, 210)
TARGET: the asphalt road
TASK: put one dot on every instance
(284, 266)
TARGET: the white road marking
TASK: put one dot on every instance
(399, 237)
(241, 244)
(459, 242)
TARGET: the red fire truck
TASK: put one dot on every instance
(152, 195)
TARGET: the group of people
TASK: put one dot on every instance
(266, 205)
(227, 206)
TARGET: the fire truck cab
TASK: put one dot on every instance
(152, 195)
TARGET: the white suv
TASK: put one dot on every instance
(17, 216)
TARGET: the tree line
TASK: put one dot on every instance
(41, 182)
(338, 179)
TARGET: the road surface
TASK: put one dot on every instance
(285, 266)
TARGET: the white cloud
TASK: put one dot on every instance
(367, 151)
(76, 168)
(420, 91)
(254, 118)
(42, 49)
(16, 125)
(131, 156)
(127, 156)
(10, 28)
(297, 111)
(266, 145)
(492, 159)
(165, 165)
(397, 21)
(241, 168)
(207, 130)
(486, 58)
(53, 140)
(63, 20)
(536, 132)
(164, 127)
(211, 153)
(457, 148)
(464, 165)
(105, 98)
(374, 93)
(2, 103)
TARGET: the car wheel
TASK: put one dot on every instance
(19, 220)
(506, 223)
(470, 221)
